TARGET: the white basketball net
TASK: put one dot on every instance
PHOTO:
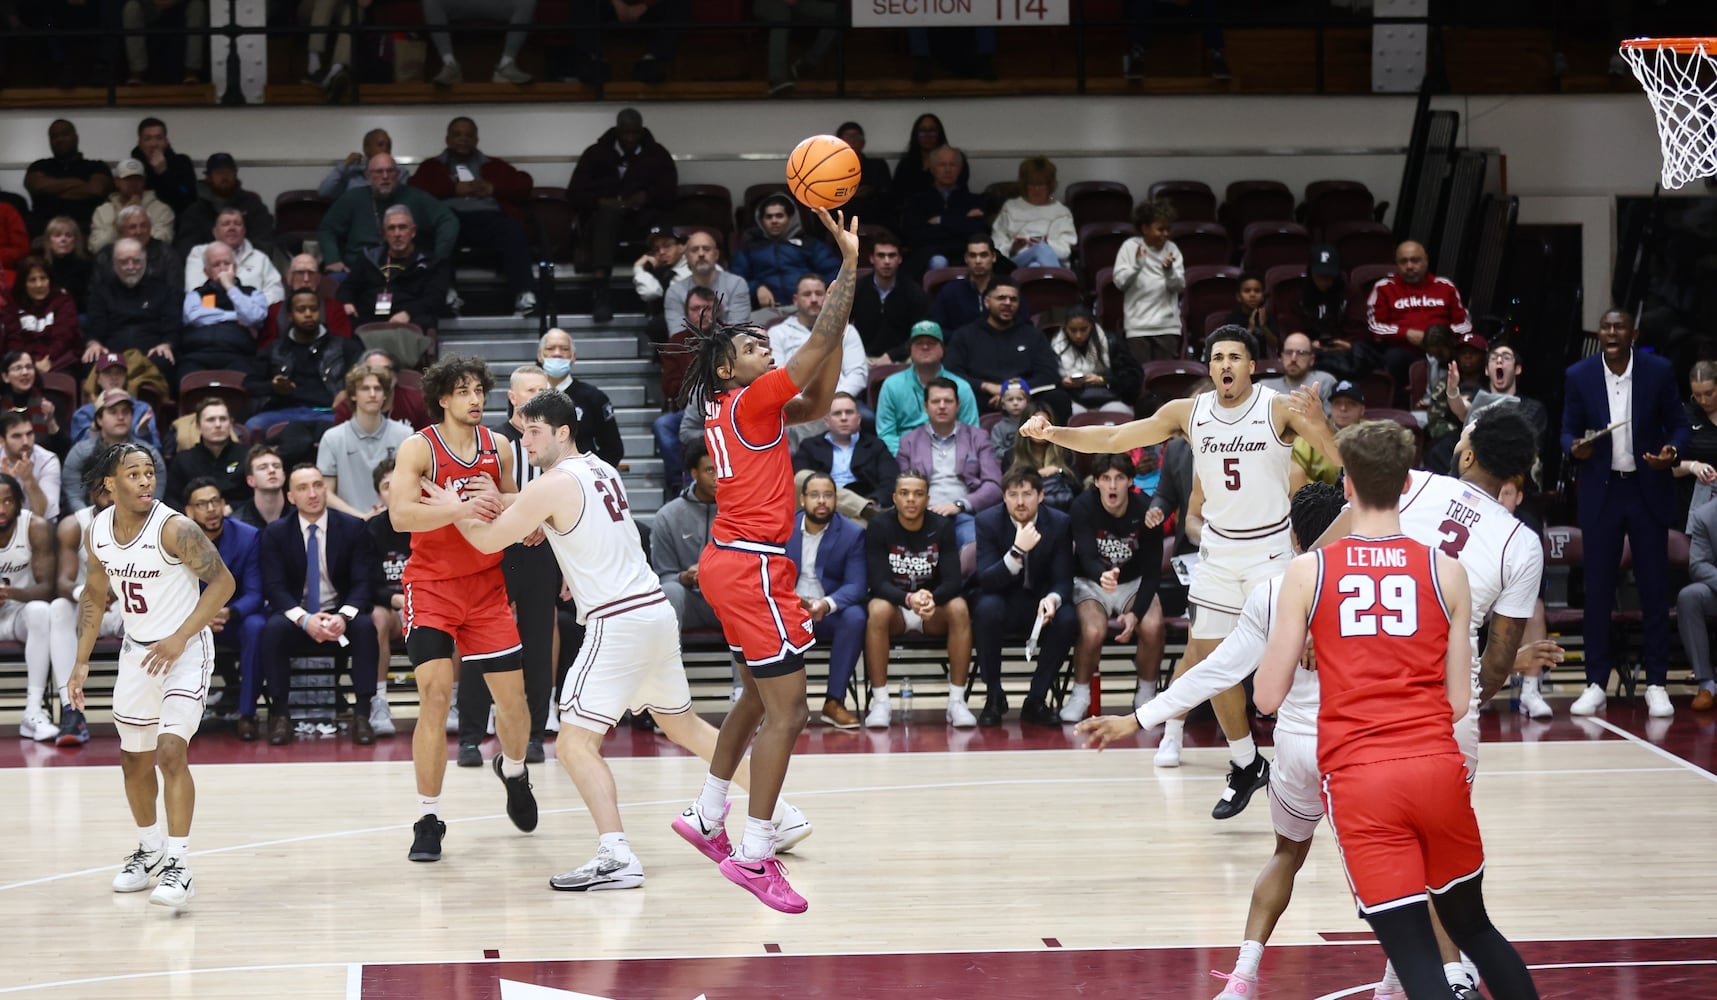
(1682, 87)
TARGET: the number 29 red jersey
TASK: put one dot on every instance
(747, 439)
(1381, 631)
(444, 554)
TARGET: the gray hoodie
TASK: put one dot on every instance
(679, 534)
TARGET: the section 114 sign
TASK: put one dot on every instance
(967, 13)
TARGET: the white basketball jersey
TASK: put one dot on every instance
(600, 556)
(15, 567)
(1243, 464)
(1503, 558)
(156, 592)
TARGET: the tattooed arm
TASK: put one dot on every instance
(816, 367)
(91, 606)
(182, 539)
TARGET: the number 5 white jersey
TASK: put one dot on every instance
(156, 592)
(600, 556)
(1503, 558)
(1242, 463)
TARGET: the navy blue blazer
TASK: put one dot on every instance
(840, 559)
(1658, 420)
(351, 555)
(1050, 560)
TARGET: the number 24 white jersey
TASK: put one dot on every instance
(601, 556)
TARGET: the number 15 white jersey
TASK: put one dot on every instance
(600, 556)
(1503, 558)
(156, 591)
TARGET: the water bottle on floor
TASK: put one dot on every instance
(906, 698)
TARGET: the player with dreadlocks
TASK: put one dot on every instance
(157, 558)
(744, 572)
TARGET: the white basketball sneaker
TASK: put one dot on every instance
(880, 714)
(37, 726)
(381, 717)
(138, 871)
(1657, 702)
(1533, 705)
(175, 888)
(791, 827)
(1078, 703)
(605, 871)
(959, 716)
(1168, 752)
(1590, 702)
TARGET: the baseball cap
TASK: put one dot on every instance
(1347, 389)
(1474, 340)
(1016, 383)
(219, 160)
(666, 232)
(113, 397)
(127, 168)
(928, 328)
(1325, 262)
(110, 360)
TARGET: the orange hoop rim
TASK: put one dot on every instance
(1685, 46)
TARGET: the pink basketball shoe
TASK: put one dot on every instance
(1240, 985)
(767, 880)
(710, 840)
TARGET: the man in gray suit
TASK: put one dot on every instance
(1696, 607)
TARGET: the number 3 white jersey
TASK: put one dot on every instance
(600, 556)
(156, 592)
(1503, 558)
(1242, 463)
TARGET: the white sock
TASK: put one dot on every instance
(1391, 982)
(1146, 693)
(1251, 953)
(1243, 751)
(382, 690)
(759, 842)
(713, 800)
(511, 768)
(505, 61)
(149, 838)
(1174, 729)
(314, 65)
(1528, 684)
(956, 694)
(1456, 974)
(615, 844)
(881, 694)
(428, 804)
(178, 847)
(33, 697)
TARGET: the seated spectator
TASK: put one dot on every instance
(1701, 447)
(1502, 385)
(317, 569)
(237, 628)
(828, 551)
(222, 317)
(1253, 314)
(1015, 407)
(1403, 306)
(912, 173)
(1297, 370)
(1025, 574)
(35, 468)
(398, 283)
(491, 199)
(66, 183)
(1173, 494)
(964, 476)
(265, 474)
(860, 464)
(159, 257)
(62, 245)
(684, 424)
(782, 75)
(662, 263)
(1696, 604)
(130, 190)
(937, 222)
(663, 17)
(787, 336)
(887, 305)
(221, 189)
(113, 412)
(900, 401)
(912, 565)
(624, 183)
(598, 432)
(14, 236)
(1322, 306)
(678, 537)
(1054, 466)
(1097, 370)
(27, 565)
(436, 13)
(408, 406)
(303, 372)
(141, 15)
(253, 266)
(961, 300)
(1117, 558)
(217, 458)
(1450, 396)
(349, 450)
(353, 171)
(43, 320)
(776, 253)
(1151, 275)
(1001, 346)
(21, 391)
(393, 548)
(111, 371)
(1346, 407)
(134, 314)
(1036, 229)
(303, 272)
(170, 175)
(732, 297)
(353, 225)
(870, 202)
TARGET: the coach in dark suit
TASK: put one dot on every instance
(308, 614)
(839, 600)
(1624, 490)
(1025, 571)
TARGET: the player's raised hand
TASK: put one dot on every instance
(1306, 402)
(1106, 729)
(845, 231)
(1036, 428)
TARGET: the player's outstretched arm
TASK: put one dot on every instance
(1499, 654)
(1288, 638)
(544, 497)
(1099, 439)
(91, 606)
(816, 367)
(1457, 598)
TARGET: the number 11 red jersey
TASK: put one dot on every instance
(747, 438)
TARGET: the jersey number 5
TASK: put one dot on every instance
(613, 497)
(1231, 474)
(1361, 615)
(132, 591)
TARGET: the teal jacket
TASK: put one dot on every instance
(353, 224)
(900, 405)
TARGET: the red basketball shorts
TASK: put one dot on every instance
(1403, 826)
(472, 609)
(749, 586)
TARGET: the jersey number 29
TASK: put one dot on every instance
(1392, 603)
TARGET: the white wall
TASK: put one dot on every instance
(1567, 157)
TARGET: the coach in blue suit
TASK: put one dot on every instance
(1025, 571)
(1624, 489)
(308, 617)
(839, 611)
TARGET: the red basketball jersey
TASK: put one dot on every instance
(747, 439)
(444, 554)
(1382, 637)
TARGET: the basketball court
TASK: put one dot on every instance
(944, 865)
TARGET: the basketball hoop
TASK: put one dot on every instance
(1680, 77)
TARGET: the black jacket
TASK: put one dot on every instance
(177, 185)
(319, 368)
(195, 462)
(418, 286)
(873, 467)
(950, 209)
(649, 169)
(1049, 565)
(885, 325)
(196, 224)
(978, 352)
(598, 430)
(135, 318)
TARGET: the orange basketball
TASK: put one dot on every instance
(823, 171)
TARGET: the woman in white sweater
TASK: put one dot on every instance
(1150, 274)
(1035, 230)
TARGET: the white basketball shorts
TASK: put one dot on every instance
(1228, 570)
(628, 661)
(146, 705)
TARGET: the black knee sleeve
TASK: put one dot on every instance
(426, 644)
(791, 663)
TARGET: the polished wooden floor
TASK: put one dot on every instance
(1031, 869)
